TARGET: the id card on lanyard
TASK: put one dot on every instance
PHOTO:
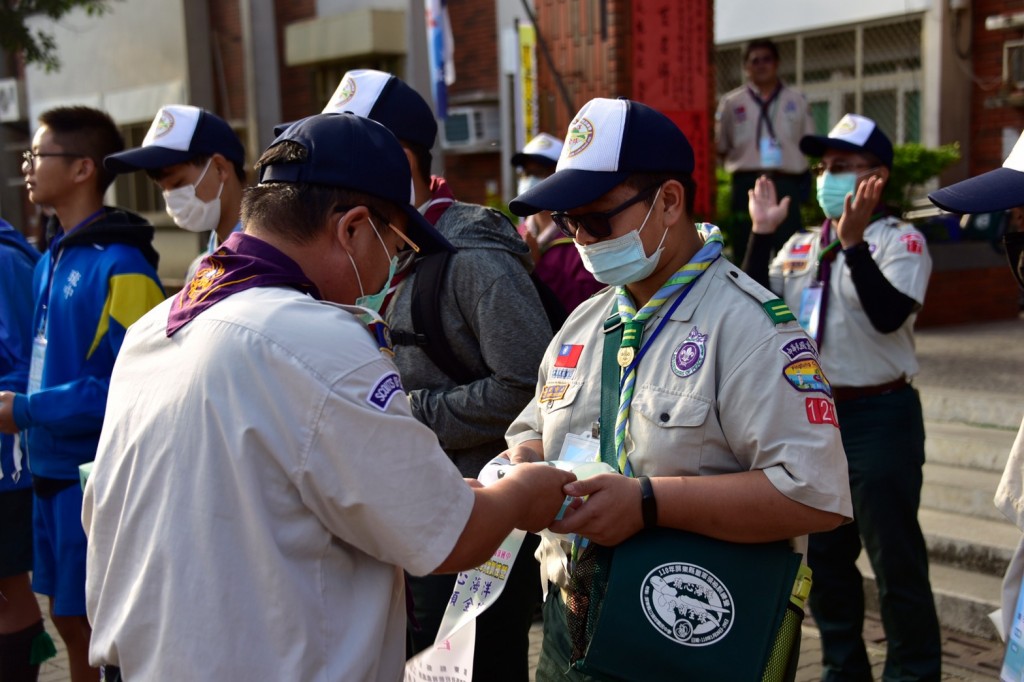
(769, 149)
(810, 309)
(814, 299)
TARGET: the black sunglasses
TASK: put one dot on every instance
(597, 224)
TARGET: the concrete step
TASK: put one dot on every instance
(967, 542)
(967, 446)
(959, 490)
(963, 599)
(972, 406)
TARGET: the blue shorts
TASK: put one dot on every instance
(59, 550)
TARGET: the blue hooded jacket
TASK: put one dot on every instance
(89, 288)
(17, 261)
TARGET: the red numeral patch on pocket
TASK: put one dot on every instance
(821, 411)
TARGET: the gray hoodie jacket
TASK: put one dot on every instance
(496, 326)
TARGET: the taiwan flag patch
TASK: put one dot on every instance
(568, 355)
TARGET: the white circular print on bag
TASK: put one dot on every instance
(687, 604)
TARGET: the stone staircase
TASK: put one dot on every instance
(968, 439)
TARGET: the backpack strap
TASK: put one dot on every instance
(428, 331)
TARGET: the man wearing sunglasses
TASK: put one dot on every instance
(858, 283)
(710, 433)
(1002, 190)
(758, 127)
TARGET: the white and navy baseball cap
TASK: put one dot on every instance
(179, 133)
(355, 153)
(608, 141)
(387, 99)
(544, 149)
(997, 190)
(853, 133)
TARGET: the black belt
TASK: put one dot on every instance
(844, 393)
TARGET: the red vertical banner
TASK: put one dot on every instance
(672, 44)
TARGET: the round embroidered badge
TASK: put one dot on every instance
(581, 134)
(346, 92)
(164, 124)
(689, 356)
(687, 604)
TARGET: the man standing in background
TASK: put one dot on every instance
(758, 127)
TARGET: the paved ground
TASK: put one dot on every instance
(984, 357)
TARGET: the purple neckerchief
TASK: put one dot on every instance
(242, 262)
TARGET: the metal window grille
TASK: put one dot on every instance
(873, 69)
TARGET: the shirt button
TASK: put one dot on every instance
(663, 417)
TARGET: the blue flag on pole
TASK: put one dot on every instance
(440, 48)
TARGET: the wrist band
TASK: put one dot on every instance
(648, 505)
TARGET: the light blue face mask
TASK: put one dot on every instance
(832, 191)
(374, 301)
(622, 260)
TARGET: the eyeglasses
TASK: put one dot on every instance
(28, 158)
(837, 168)
(597, 224)
(401, 235)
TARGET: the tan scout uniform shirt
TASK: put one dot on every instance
(736, 130)
(721, 390)
(854, 353)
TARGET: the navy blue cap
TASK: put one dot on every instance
(355, 153)
(853, 133)
(997, 190)
(608, 141)
(179, 133)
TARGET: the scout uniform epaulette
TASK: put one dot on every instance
(775, 308)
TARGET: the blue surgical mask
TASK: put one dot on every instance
(622, 260)
(832, 191)
(374, 301)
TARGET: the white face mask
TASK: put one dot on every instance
(527, 182)
(191, 213)
(622, 260)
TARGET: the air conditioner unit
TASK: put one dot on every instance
(471, 129)
(1013, 63)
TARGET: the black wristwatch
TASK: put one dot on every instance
(648, 505)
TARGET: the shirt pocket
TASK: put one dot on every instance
(559, 395)
(667, 432)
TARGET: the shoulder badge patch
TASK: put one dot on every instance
(806, 376)
(384, 391)
(777, 311)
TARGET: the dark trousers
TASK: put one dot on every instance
(884, 441)
(502, 632)
(797, 187)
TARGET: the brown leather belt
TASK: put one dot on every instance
(843, 393)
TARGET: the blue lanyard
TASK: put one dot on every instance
(661, 325)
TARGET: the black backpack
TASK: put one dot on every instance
(428, 332)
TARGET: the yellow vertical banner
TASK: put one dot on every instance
(528, 82)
